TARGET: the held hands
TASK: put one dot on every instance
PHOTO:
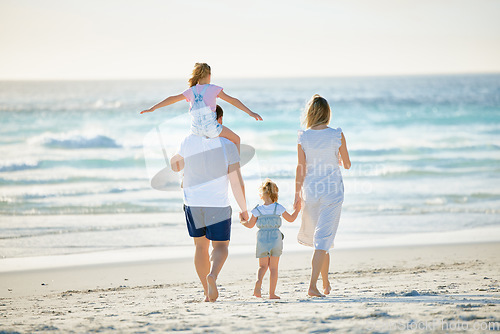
(297, 204)
(244, 217)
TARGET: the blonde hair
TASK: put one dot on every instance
(270, 189)
(200, 71)
(317, 112)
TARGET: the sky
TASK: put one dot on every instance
(162, 39)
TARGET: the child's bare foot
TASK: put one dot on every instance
(273, 296)
(213, 294)
(327, 289)
(314, 292)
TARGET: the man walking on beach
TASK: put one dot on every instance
(210, 165)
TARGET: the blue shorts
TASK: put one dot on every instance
(212, 222)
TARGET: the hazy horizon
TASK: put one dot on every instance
(374, 76)
(153, 39)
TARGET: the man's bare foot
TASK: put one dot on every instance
(314, 292)
(206, 299)
(273, 296)
(213, 294)
(327, 289)
(257, 290)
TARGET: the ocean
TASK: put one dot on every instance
(77, 160)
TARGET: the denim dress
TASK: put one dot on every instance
(269, 237)
(203, 119)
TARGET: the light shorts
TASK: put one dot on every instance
(269, 243)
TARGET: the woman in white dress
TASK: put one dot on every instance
(318, 182)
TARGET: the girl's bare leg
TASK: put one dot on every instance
(228, 134)
(263, 265)
(317, 264)
(273, 278)
(202, 261)
(324, 274)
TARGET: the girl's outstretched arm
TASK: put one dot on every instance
(237, 103)
(250, 223)
(168, 101)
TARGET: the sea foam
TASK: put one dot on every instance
(76, 141)
(18, 166)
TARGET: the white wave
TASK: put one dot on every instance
(75, 141)
(18, 166)
(101, 104)
(436, 201)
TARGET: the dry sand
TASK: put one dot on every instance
(426, 288)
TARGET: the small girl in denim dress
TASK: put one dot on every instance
(202, 96)
(267, 217)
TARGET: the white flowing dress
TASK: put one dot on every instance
(323, 189)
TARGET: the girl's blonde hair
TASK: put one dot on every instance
(270, 189)
(200, 71)
(317, 112)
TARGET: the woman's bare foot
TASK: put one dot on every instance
(314, 292)
(273, 296)
(327, 288)
(213, 294)
(205, 293)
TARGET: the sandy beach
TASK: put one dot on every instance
(422, 288)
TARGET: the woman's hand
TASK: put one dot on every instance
(256, 116)
(297, 204)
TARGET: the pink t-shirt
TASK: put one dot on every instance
(209, 97)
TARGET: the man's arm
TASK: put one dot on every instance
(238, 188)
(177, 163)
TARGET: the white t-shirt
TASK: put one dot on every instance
(268, 209)
(206, 162)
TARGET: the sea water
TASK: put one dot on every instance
(77, 160)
